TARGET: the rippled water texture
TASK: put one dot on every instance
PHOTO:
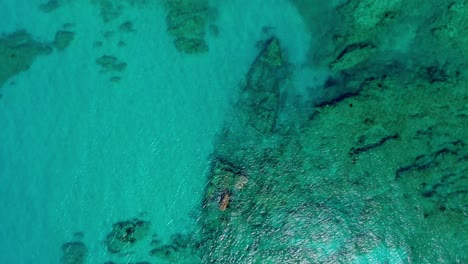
(242, 131)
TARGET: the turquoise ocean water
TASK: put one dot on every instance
(237, 131)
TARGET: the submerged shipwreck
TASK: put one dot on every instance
(254, 121)
(236, 207)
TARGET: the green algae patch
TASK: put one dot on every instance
(17, 52)
(63, 39)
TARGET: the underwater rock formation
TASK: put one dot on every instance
(187, 23)
(110, 63)
(126, 234)
(63, 39)
(18, 51)
(126, 27)
(74, 253)
(402, 152)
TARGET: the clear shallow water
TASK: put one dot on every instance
(337, 179)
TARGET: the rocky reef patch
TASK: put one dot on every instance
(127, 234)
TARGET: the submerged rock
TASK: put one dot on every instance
(63, 39)
(74, 253)
(110, 63)
(49, 6)
(127, 27)
(125, 234)
(18, 51)
(187, 23)
(191, 45)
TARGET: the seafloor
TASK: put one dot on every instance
(368, 165)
